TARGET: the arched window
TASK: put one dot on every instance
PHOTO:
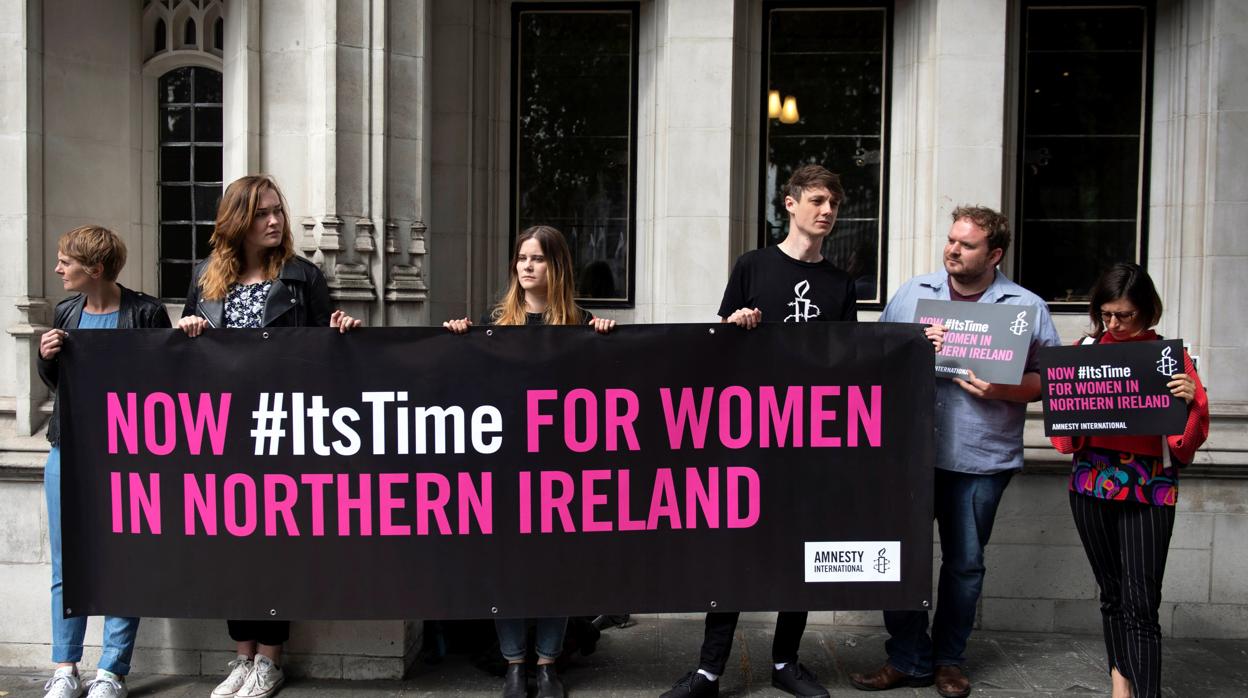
(160, 42)
(218, 34)
(188, 33)
(189, 171)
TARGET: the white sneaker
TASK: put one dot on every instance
(264, 680)
(107, 685)
(240, 669)
(63, 684)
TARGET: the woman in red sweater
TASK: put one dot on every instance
(1123, 490)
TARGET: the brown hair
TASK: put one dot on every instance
(234, 216)
(561, 308)
(91, 245)
(996, 225)
(1125, 280)
(812, 176)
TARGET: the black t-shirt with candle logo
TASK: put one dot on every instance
(789, 290)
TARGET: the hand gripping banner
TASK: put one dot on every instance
(511, 471)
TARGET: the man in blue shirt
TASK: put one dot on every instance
(979, 447)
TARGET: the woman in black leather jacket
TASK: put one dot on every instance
(253, 279)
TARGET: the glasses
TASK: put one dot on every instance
(1123, 316)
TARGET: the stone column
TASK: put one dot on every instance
(947, 123)
(688, 219)
(23, 310)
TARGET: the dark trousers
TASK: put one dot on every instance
(1127, 544)
(965, 510)
(721, 626)
(265, 632)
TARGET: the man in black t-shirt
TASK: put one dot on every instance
(790, 282)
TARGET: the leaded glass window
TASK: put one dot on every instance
(1083, 142)
(574, 135)
(824, 101)
(189, 171)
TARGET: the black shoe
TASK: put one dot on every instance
(798, 680)
(693, 685)
(515, 683)
(548, 683)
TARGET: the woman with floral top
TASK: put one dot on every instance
(1123, 491)
(254, 279)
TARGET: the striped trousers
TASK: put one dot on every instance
(1127, 544)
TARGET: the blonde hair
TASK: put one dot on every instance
(92, 245)
(235, 214)
(561, 308)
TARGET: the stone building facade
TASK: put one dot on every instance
(391, 125)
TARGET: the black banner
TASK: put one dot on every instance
(1117, 388)
(516, 471)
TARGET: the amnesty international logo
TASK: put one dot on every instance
(803, 309)
(881, 561)
(1167, 365)
(1019, 326)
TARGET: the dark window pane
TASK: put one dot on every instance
(207, 163)
(203, 237)
(161, 41)
(175, 203)
(832, 62)
(175, 86)
(207, 86)
(208, 124)
(175, 125)
(218, 34)
(206, 199)
(1061, 260)
(188, 33)
(575, 118)
(1083, 124)
(175, 241)
(175, 279)
(175, 163)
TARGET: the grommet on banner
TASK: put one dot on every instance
(494, 609)
(711, 330)
(265, 335)
(489, 333)
(272, 611)
(926, 604)
(714, 604)
(69, 611)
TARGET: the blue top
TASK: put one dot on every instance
(98, 321)
(974, 435)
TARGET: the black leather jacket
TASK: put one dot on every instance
(299, 297)
(136, 310)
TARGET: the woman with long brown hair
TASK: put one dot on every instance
(254, 279)
(540, 291)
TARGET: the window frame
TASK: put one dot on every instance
(633, 8)
(192, 183)
(1019, 124)
(886, 104)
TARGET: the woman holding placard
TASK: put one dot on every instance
(1123, 490)
(540, 291)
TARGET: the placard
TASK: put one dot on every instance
(1118, 388)
(991, 339)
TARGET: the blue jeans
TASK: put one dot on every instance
(513, 637)
(68, 633)
(966, 506)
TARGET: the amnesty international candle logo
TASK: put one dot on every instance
(881, 562)
(1167, 365)
(803, 309)
(1019, 326)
